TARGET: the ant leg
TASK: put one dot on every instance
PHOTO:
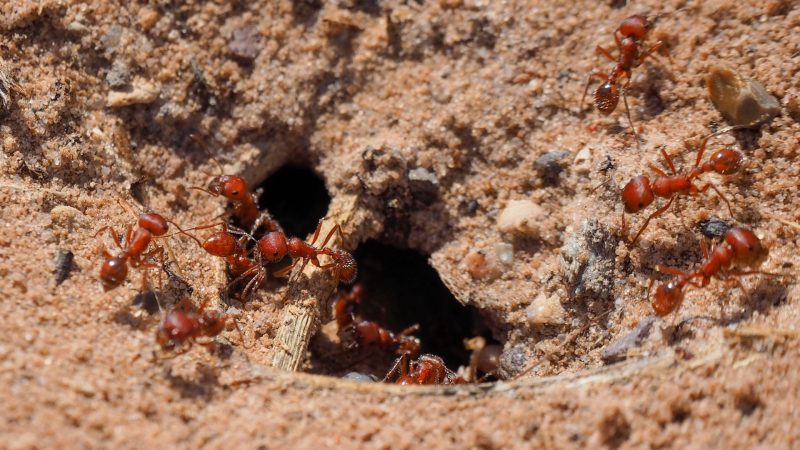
(702, 150)
(657, 213)
(113, 235)
(655, 169)
(669, 270)
(254, 283)
(316, 232)
(236, 325)
(284, 271)
(335, 229)
(600, 75)
(628, 113)
(183, 232)
(400, 365)
(605, 52)
(409, 331)
(669, 161)
(704, 247)
(724, 199)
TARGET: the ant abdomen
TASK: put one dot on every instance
(668, 297)
(606, 97)
(221, 244)
(113, 272)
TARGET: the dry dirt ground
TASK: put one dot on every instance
(423, 119)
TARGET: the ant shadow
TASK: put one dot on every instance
(204, 387)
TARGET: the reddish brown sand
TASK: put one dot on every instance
(364, 92)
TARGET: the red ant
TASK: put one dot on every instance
(115, 268)
(234, 188)
(640, 192)
(183, 327)
(365, 333)
(633, 30)
(427, 369)
(274, 246)
(740, 246)
(224, 245)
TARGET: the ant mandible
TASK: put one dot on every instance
(640, 192)
(114, 270)
(183, 328)
(739, 246)
(633, 30)
(427, 369)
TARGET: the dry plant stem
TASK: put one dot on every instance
(301, 316)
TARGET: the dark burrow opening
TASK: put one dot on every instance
(296, 196)
(400, 289)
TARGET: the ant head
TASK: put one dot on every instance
(635, 26)
(346, 266)
(113, 272)
(606, 97)
(154, 223)
(668, 297)
(221, 244)
(232, 187)
(746, 246)
(178, 325)
(273, 246)
(637, 194)
(726, 161)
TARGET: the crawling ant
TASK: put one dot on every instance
(640, 192)
(739, 246)
(633, 30)
(365, 333)
(137, 240)
(427, 369)
(273, 246)
(234, 188)
(183, 328)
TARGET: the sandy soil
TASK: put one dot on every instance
(424, 119)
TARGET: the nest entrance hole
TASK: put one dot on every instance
(402, 289)
(296, 197)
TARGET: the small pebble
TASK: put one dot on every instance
(582, 163)
(481, 267)
(63, 265)
(142, 93)
(713, 228)
(550, 165)
(522, 218)
(119, 75)
(360, 377)
(741, 101)
(505, 252)
(245, 43)
(546, 310)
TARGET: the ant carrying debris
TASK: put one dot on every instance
(137, 240)
(739, 246)
(365, 333)
(640, 192)
(182, 328)
(427, 369)
(633, 30)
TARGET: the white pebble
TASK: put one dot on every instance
(505, 252)
(546, 310)
(521, 217)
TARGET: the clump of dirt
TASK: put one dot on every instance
(416, 124)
